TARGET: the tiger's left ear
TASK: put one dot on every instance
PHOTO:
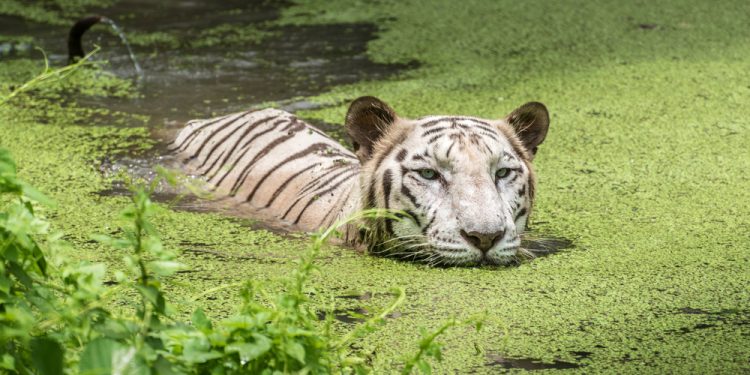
(530, 123)
(367, 120)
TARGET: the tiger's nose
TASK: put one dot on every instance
(483, 241)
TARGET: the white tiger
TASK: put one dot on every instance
(466, 184)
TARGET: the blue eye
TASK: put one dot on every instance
(502, 173)
(428, 174)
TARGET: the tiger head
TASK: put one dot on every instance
(464, 185)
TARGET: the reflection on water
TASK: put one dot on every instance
(529, 364)
(184, 79)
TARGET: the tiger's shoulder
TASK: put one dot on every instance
(271, 160)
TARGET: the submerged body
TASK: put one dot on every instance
(463, 186)
(281, 167)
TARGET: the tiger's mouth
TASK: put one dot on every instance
(417, 248)
(471, 257)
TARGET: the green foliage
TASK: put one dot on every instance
(54, 316)
(52, 79)
(428, 347)
(55, 12)
(231, 35)
(47, 75)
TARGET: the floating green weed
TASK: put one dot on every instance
(57, 317)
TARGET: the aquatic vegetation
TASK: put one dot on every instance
(228, 34)
(56, 315)
(57, 12)
(643, 169)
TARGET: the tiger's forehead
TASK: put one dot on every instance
(432, 120)
(452, 137)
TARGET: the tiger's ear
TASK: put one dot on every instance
(367, 120)
(530, 122)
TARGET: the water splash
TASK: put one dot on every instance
(124, 40)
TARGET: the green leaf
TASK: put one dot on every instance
(163, 367)
(104, 356)
(153, 295)
(424, 367)
(4, 284)
(165, 267)
(47, 356)
(116, 329)
(250, 351)
(295, 350)
(198, 350)
(36, 196)
(201, 321)
(7, 362)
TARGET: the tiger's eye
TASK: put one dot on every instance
(502, 173)
(428, 174)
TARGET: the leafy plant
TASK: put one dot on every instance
(428, 347)
(56, 315)
(48, 75)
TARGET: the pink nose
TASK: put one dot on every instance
(483, 241)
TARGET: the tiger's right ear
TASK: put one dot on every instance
(367, 120)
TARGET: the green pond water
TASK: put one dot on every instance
(644, 168)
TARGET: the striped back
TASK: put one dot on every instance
(283, 168)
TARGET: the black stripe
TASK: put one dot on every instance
(387, 181)
(246, 171)
(407, 193)
(299, 198)
(489, 149)
(318, 184)
(485, 128)
(519, 214)
(250, 128)
(414, 217)
(221, 141)
(224, 152)
(292, 121)
(433, 123)
(389, 226)
(515, 177)
(336, 207)
(249, 167)
(195, 131)
(433, 131)
(284, 184)
(509, 155)
(387, 152)
(297, 127)
(452, 119)
(448, 153)
(315, 130)
(246, 147)
(370, 203)
(242, 150)
(320, 194)
(493, 136)
(276, 167)
(216, 131)
(319, 179)
(429, 224)
(401, 155)
(435, 138)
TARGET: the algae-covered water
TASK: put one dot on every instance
(644, 168)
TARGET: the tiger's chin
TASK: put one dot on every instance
(472, 257)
